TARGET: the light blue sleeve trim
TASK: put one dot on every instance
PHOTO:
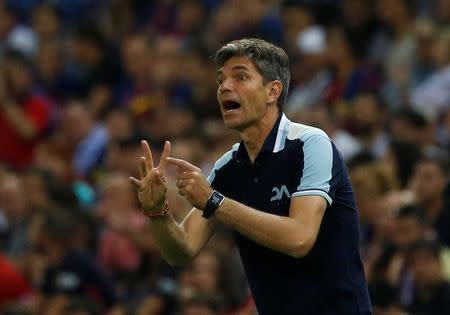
(221, 162)
(318, 161)
(313, 193)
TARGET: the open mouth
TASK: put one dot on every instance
(231, 105)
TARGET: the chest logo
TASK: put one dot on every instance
(277, 193)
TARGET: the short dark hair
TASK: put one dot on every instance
(271, 61)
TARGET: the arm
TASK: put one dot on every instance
(13, 113)
(23, 125)
(294, 235)
(178, 243)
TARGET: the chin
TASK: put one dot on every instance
(232, 124)
(236, 125)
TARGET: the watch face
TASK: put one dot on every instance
(216, 197)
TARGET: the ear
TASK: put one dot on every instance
(274, 89)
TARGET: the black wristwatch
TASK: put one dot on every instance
(214, 201)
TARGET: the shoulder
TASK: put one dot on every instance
(226, 157)
(305, 133)
(297, 134)
(222, 161)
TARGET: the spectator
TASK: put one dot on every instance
(17, 288)
(428, 183)
(70, 271)
(24, 115)
(87, 139)
(432, 292)
(431, 97)
(368, 123)
(17, 212)
(385, 298)
(46, 21)
(310, 77)
(351, 74)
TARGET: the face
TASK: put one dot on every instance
(441, 51)
(392, 11)
(443, 10)
(119, 124)
(427, 182)
(337, 47)
(74, 121)
(12, 199)
(356, 12)
(407, 231)
(117, 195)
(45, 21)
(243, 97)
(136, 56)
(20, 78)
(366, 114)
(426, 269)
(49, 61)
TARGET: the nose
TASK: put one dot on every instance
(225, 86)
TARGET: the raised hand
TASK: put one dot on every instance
(191, 183)
(152, 185)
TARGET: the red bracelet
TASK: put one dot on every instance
(160, 213)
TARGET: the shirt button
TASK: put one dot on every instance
(256, 180)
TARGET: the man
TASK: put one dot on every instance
(282, 184)
(24, 115)
(428, 182)
(431, 290)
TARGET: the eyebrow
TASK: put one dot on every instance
(235, 68)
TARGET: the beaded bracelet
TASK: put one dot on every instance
(161, 213)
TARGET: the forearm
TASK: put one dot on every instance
(20, 122)
(280, 233)
(171, 239)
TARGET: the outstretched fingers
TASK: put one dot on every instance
(163, 162)
(142, 167)
(147, 154)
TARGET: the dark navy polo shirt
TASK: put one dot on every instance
(298, 160)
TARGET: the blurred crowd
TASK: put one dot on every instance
(83, 81)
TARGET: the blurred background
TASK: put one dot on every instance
(83, 81)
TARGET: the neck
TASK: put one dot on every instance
(255, 135)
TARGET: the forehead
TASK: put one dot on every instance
(237, 63)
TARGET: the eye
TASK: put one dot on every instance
(242, 77)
